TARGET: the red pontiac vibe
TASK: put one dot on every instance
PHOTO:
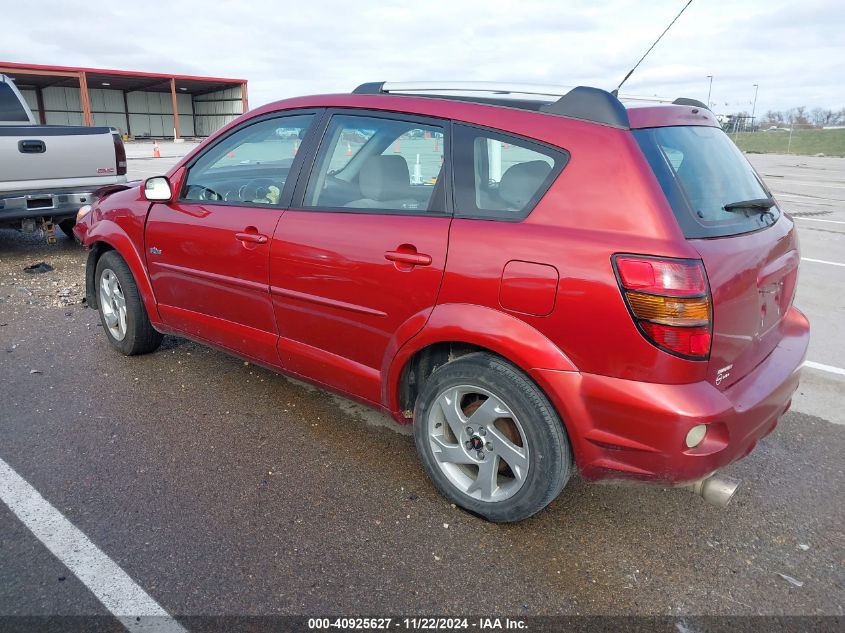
(537, 282)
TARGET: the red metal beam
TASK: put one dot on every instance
(176, 131)
(86, 101)
(73, 71)
(8, 68)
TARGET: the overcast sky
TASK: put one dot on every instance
(794, 50)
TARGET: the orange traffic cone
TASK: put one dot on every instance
(156, 150)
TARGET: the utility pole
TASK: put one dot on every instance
(754, 107)
(710, 89)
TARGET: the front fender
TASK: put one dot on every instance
(107, 232)
(500, 332)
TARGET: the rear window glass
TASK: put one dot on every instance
(10, 107)
(701, 171)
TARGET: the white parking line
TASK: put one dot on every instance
(819, 220)
(112, 586)
(828, 368)
(821, 261)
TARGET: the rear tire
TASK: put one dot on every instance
(490, 440)
(122, 312)
(67, 227)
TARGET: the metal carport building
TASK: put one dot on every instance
(139, 104)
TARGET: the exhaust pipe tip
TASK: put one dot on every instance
(716, 490)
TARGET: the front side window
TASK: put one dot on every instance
(380, 164)
(251, 166)
(499, 176)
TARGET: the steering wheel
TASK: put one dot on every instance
(201, 192)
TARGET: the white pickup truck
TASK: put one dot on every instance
(47, 172)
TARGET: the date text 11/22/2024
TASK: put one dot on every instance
(416, 624)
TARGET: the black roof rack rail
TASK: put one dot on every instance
(690, 102)
(590, 104)
(370, 88)
(582, 102)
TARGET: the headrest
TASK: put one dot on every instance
(521, 181)
(384, 178)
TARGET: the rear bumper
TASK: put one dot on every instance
(623, 429)
(56, 205)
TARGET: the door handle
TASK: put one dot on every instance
(254, 238)
(32, 147)
(411, 259)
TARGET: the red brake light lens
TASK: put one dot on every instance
(119, 154)
(661, 276)
(690, 341)
(670, 302)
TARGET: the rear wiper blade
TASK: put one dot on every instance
(763, 204)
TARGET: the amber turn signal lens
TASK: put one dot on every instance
(83, 211)
(670, 310)
(669, 301)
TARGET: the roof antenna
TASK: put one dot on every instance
(615, 92)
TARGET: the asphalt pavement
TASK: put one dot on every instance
(221, 488)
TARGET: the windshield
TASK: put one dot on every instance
(701, 171)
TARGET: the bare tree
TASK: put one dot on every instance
(772, 118)
(799, 117)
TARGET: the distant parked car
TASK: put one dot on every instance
(565, 283)
(47, 172)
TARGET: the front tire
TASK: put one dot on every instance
(490, 440)
(67, 227)
(122, 312)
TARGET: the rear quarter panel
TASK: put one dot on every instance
(605, 201)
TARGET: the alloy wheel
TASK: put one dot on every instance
(113, 304)
(478, 443)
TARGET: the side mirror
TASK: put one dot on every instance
(157, 189)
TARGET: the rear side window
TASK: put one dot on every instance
(10, 107)
(701, 171)
(499, 176)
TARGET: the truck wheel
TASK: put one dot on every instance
(67, 227)
(490, 440)
(122, 312)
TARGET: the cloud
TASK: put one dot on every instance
(794, 52)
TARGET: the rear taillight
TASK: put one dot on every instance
(119, 154)
(669, 300)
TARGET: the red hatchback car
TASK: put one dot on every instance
(538, 283)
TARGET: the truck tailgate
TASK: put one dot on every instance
(30, 154)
